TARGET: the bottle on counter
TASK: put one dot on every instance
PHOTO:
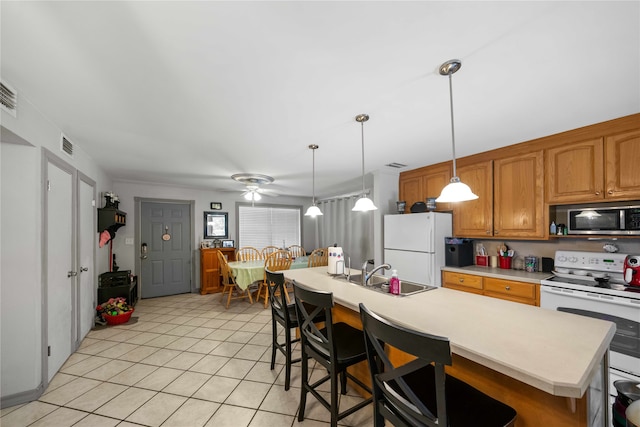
(552, 228)
(394, 283)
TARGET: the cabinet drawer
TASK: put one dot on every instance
(460, 280)
(510, 288)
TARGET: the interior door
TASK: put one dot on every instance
(165, 230)
(61, 273)
(86, 256)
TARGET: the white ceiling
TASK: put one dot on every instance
(189, 93)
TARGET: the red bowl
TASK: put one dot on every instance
(119, 319)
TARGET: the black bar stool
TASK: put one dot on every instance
(336, 347)
(282, 313)
(419, 393)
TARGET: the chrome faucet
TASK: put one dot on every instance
(364, 277)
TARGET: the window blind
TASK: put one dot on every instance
(261, 226)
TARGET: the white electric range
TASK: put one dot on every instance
(591, 284)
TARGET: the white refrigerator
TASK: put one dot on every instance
(414, 245)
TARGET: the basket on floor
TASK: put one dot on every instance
(118, 319)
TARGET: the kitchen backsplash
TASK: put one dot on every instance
(549, 248)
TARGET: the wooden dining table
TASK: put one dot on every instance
(248, 272)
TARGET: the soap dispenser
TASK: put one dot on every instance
(394, 283)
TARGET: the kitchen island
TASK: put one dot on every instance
(540, 362)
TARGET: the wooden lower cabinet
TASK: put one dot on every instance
(525, 293)
(522, 292)
(210, 281)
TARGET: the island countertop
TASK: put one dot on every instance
(552, 351)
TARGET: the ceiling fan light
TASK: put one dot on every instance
(313, 211)
(364, 204)
(456, 191)
(256, 196)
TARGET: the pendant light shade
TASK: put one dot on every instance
(363, 204)
(313, 210)
(455, 191)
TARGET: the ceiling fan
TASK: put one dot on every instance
(253, 183)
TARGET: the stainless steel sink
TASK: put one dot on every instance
(376, 284)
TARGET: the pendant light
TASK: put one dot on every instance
(363, 204)
(313, 210)
(455, 191)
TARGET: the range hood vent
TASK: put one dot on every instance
(8, 98)
(66, 146)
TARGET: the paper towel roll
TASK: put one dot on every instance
(336, 260)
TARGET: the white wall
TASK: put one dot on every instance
(385, 195)
(20, 274)
(21, 238)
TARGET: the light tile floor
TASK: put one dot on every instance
(185, 362)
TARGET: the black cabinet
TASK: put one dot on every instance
(118, 284)
(111, 218)
(127, 291)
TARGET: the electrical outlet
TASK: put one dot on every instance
(128, 241)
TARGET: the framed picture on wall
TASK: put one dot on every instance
(216, 225)
(216, 205)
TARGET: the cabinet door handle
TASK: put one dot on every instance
(461, 280)
(496, 232)
(597, 193)
(610, 192)
(488, 231)
(508, 288)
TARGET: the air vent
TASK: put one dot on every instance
(8, 98)
(396, 165)
(66, 146)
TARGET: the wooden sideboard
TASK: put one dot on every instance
(210, 281)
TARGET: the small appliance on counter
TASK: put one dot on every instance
(458, 252)
(631, 270)
(336, 260)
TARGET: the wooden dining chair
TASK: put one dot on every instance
(277, 261)
(229, 283)
(248, 253)
(319, 257)
(296, 251)
(268, 250)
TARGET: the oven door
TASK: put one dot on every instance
(624, 312)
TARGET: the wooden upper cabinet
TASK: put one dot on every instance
(475, 218)
(622, 169)
(410, 190)
(519, 196)
(594, 170)
(419, 184)
(434, 180)
(575, 172)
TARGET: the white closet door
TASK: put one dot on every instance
(61, 325)
(87, 277)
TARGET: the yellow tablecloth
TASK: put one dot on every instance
(247, 272)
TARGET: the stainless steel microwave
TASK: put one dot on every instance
(623, 221)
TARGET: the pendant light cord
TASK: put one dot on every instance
(453, 133)
(313, 175)
(362, 133)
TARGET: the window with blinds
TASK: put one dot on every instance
(261, 226)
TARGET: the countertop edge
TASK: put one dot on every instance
(500, 273)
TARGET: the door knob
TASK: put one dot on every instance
(72, 273)
(84, 269)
